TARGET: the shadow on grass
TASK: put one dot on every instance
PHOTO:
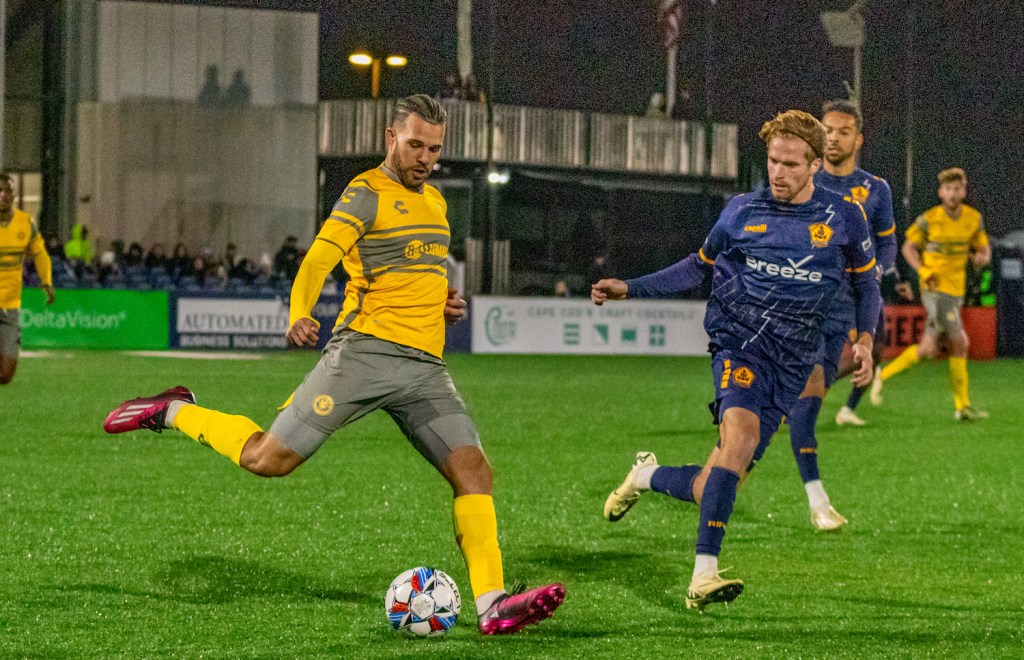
(211, 580)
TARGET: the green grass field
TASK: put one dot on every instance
(143, 545)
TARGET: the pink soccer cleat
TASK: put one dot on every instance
(513, 612)
(145, 412)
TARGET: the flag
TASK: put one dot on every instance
(670, 18)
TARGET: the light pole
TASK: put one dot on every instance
(846, 30)
(362, 58)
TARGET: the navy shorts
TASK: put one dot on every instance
(752, 382)
(834, 339)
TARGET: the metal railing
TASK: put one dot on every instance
(543, 137)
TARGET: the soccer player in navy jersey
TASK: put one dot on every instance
(776, 256)
(843, 139)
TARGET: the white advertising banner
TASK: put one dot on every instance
(568, 325)
(231, 323)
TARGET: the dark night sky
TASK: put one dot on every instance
(967, 59)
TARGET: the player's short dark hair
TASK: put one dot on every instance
(952, 174)
(5, 178)
(798, 124)
(845, 107)
(425, 106)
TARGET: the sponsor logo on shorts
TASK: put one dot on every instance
(323, 405)
(757, 229)
(743, 377)
(821, 234)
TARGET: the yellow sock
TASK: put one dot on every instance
(224, 433)
(958, 381)
(476, 532)
(905, 360)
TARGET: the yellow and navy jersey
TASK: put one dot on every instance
(946, 243)
(393, 243)
(18, 238)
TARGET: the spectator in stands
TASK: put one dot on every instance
(135, 256)
(78, 250)
(561, 289)
(157, 257)
(238, 268)
(599, 269)
(108, 267)
(286, 261)
(117, 247)
(452, 87)
(656, 107)
(180, 263)
(209, 95)
(238, 94)
(472, 91)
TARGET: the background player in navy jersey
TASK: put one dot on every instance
(776, 256)
(843, 140)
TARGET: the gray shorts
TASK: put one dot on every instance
(10, 333)
(943, 313)
(358, 374)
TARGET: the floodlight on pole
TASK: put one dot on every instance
(362, 58)
(845, 29)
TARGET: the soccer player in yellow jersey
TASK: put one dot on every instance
(18, 237)
(390, 230)
(937, 246)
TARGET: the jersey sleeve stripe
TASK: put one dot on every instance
(700, 253)
(347, 219)
(327, 240)
(888, 232)
(865, 267)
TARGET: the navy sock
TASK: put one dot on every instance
(675, 482)
(802, 419)
(855, 394)
(715, 509)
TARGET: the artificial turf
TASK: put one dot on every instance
(144, 545)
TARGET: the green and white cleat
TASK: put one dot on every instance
(625, 496)
(969, 414)
(847, 416)
(827, 520)
(711, 588)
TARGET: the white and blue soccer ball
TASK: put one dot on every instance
(423, 602)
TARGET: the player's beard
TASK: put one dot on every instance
(839, 158)
(406, 175)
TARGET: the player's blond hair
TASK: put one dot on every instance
(951, 174)
(798, 124)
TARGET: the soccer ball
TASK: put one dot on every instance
(422, 602)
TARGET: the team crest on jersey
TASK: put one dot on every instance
(821, 234)
(323, 405)
(859, 194)
(743, 377)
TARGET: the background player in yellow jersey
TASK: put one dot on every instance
(390, 230)
(18, 237)
(937, 246)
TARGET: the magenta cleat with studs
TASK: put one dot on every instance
(513, 612)
(145, 412)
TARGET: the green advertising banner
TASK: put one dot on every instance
(95, 318)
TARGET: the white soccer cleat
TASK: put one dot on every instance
(876, 388)
(625, 496)
(827, 520)
(969, 414)
(847, 416)
(711, 588)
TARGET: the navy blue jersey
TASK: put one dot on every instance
(776, 269)
(872, 193)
